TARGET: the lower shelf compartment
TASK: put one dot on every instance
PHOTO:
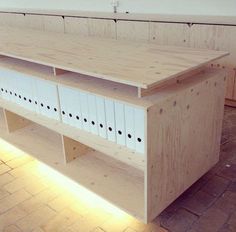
(116, 182)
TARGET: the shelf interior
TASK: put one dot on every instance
(104, 88)
(112, 180)
(109, 148)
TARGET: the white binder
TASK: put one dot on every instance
(110, 118)
(85, 111)
(48, 99)
(130, 127)
(31, 94)
(17, 90)
(92, 114)
(70, 106)
(63, 93)
(101, 117)
(21, 90)
(26, 91)
(76, 105)
(139, 119)
(120, 123)
(5, 85)
(35, 96)
(21, 87)
(11, 83)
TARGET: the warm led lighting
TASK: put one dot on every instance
(58, 180)
(88, 197)
(10, 149)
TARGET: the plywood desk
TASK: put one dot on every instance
(135, 123)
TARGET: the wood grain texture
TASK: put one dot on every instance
(232, 46)
(54, 23)
(73, 149)
(230, 102)
(230, 85)
(102, 28)
(234, 92)
(14, 20)
(177, 80)
(184, 132)
(216, 37)
(231, 75)
(94, 171)
(75, 25)
(174, 34)
(135, 31)
(15, 122)
(205, 36)
(118, 61)
(35, 22)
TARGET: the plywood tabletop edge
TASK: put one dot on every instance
(133, 72)
(78, 71)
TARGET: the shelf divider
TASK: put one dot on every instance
(73, 149)
(14, 122)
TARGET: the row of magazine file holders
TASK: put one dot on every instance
(110, 119)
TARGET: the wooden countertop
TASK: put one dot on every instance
(142, 65)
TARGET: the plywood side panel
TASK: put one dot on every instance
(203, 36)
(184, 134)
(34, 22)
(230, 85)
(133, 30)
(102, 28)
(75, 25)
(215, 37)
(53, 23)
(218, 37)
(232, 46)
(230, 82)
(170, 34)
(10, 19)
(234, 90)
(223, 38)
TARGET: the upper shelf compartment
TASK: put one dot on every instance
(142, 65)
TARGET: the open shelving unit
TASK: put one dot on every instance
(93, 170)
(171, 86)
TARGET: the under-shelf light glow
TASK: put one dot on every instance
(58, 180)
(83, 194)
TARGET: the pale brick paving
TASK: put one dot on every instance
(30, 202)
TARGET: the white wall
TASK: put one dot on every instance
(196, 7)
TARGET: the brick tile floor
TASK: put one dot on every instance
(30, 202)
